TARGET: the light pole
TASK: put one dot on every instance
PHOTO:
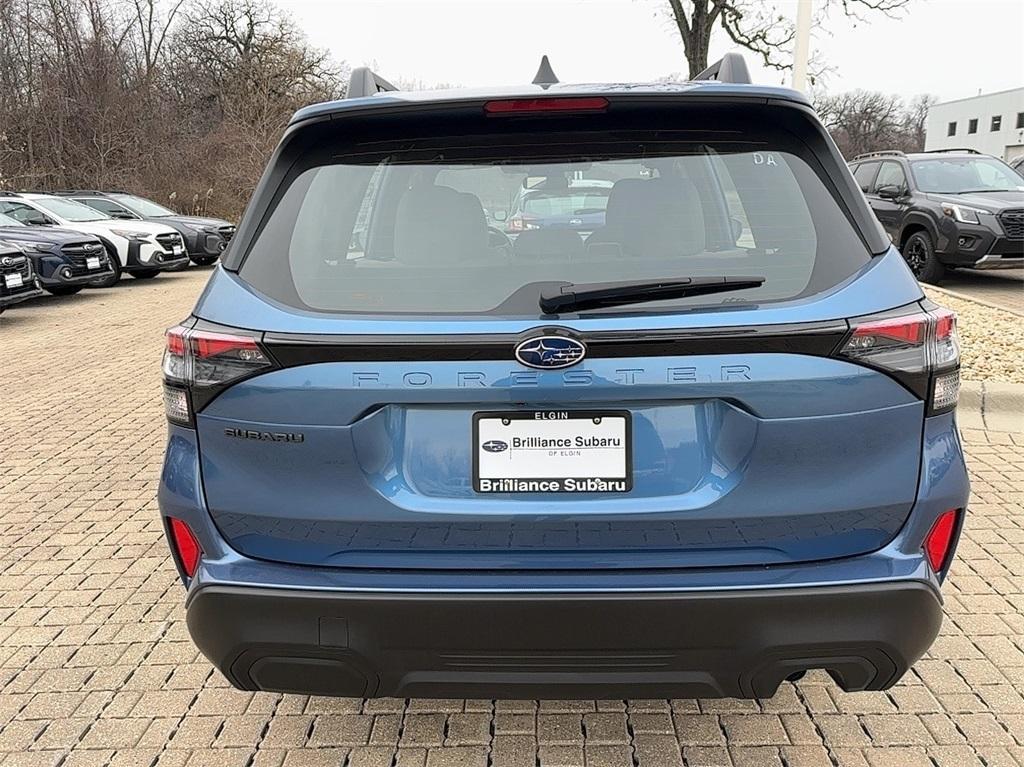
(802, 44)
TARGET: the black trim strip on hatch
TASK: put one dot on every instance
(818, 339)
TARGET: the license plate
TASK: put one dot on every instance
(178, 250)
(574, 451)
(92, 263)
(13, 280)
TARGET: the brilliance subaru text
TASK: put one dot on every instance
(695, 452)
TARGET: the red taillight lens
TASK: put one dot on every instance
(186, 547)
(211, 344)
(197, 359)
(907, 330)
(176, 341)
(550, 104)
(940, 539)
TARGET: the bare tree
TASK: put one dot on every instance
(181, 98)
(916, 116)
(757, 25)
(868, 121)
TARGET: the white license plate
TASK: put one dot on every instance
(558, 451)
(178, 250)
(93, 262)
(13, 280)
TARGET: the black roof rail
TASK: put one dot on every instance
(731, 68)
(964, 149)
(5, 193)
(365, 82)
(880, 153)
(75, 192)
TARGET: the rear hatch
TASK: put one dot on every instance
(401, 400)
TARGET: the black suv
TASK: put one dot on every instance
(17, 277)
(952, 208)
(65, 261)
(205, 238)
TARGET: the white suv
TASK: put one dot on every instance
(140, 248)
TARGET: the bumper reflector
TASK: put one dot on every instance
(185, 546)
(940, 539)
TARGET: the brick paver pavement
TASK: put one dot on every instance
(96, 667)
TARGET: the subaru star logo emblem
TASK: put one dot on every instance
(549, 352)
(7, 261)
(495, 446)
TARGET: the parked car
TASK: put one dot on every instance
(682, 457)
(560, 203)
(64, 261)
(205, 238)
(1018, 164)
(947, 209)
(140, 248)
(17, 277)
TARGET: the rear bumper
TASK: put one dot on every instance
(725, 643)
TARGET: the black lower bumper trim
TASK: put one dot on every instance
(57, 281)
(525, 645)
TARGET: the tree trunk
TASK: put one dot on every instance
(695, 31)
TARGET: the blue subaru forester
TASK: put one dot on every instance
(695, 452)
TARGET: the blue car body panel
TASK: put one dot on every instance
(942, 483)
(715, 483)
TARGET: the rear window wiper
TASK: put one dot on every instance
(593, 295)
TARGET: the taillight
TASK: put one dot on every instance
(546, 104)
(920, 349)
(939, 541)
(198, 363)
(520, 224)
(186, 547)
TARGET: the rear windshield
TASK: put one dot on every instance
(483, 226)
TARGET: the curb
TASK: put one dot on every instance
(991, 405)
(965, 297)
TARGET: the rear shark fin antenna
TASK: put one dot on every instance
(545, 74)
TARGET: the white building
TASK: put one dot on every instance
(992, 123)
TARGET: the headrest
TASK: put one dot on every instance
(547, 245)
(656, 217)
(438, 225)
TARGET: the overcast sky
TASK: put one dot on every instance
(951, 48)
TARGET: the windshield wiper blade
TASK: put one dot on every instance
(593, 295)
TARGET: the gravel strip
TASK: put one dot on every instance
(991, 341)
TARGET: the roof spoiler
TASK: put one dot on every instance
(731, 68)
(365, 82)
